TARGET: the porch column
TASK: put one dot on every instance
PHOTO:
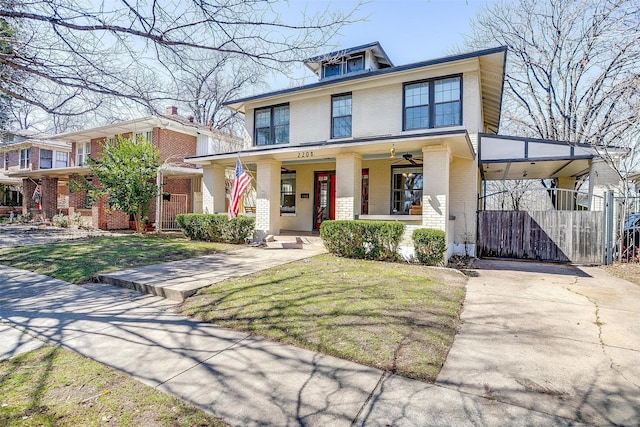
(565, 200)
(268, 198)
(435, 194)
(348, 186)
(213, 194)
(49, 188)
(28, 187)
(602, 178)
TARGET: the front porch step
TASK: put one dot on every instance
(295, 242)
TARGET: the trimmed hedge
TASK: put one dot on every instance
(216, 227)
(377, 240)
(430, 246)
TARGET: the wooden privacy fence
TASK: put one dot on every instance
(575, 236)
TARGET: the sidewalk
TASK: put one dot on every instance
(242, 379)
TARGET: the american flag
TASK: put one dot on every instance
(240, 185)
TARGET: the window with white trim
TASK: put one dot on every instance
(25, 158)
(147, 134)
(83, 150)
(62, 159)
(46, 159)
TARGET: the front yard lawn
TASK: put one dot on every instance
(55, 387)
(397, 317)
(79, 261)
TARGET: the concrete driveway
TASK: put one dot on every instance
(558, 340)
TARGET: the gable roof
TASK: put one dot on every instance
(492, 71)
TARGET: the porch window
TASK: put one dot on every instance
(406, 188)
(341, 116)
(364, 209)
(83, 150)
(433, 103)
(25, 158)
(62, 159)
(46, 159)
(272, 125)
(288, 192)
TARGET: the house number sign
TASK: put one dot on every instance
(305, 154)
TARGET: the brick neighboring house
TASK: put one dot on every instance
(26, 151)
(176, 137)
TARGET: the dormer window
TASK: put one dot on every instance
(344, 65)
(355, 64)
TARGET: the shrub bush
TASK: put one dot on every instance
(215, 227)
(430, 246)
(377, 240)
(60, 220)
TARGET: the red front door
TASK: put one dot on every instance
(324, 206)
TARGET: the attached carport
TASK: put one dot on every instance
(553, 223)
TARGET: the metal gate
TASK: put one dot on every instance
(546, 225)
(177, 204)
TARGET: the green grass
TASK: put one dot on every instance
(397, 317)
(55, 387)
(80, 261)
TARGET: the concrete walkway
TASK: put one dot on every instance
(529, 353)
(178, 280)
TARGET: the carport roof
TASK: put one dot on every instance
(510, 157)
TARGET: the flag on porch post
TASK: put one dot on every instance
(240, 184)
(37, 197)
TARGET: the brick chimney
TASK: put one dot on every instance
(171, 111)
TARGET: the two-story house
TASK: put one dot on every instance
(369, 140)
(176, 138)
(24, 151)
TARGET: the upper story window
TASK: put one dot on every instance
(433, 103)
(344, 65)
(83, 150)
(46, 159)
(25, 158)
(148, 135)
(272, 125)
(62, 159)
(341, 116)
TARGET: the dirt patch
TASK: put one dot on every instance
(626, 271)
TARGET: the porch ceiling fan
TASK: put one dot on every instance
(408, 157)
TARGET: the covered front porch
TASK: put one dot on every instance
(421, 180)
